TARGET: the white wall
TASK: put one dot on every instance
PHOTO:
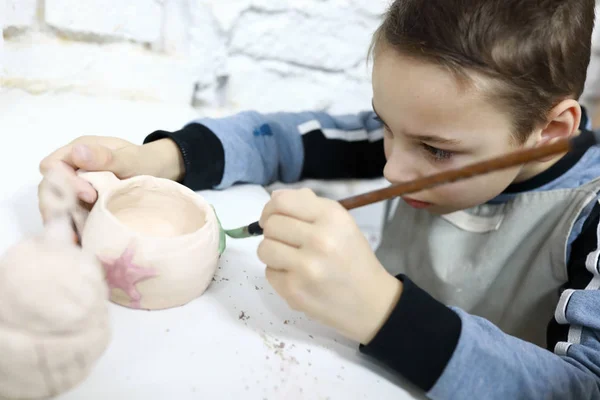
(228, 54)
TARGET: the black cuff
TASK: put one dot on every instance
(202, 152)
(418, 339)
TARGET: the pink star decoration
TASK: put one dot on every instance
(122, 273)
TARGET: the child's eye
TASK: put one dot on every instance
(437, 154)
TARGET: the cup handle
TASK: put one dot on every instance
(100, 180)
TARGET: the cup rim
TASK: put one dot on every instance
(197, 200)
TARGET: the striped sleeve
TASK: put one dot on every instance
(579, 306)
(250, 147)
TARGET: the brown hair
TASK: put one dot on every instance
(538, 50)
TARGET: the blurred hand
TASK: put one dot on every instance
(321, 264)
(101, 153)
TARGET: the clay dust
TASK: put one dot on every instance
(278, 347)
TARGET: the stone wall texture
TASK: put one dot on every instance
(228, 54)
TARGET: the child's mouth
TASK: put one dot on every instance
(416, 203)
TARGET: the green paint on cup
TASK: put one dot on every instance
(222, 236)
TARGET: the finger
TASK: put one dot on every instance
(64, 154)
(79, 218)
(288, 230)
(43, 212)
(278, 192)
(282, 283)
(277, 279)
(302, 204)
(67, 159)
(84, 191)
(94, 157)
(279, 255)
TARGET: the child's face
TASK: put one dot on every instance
(431, 124)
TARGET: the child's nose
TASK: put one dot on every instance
(399, 168)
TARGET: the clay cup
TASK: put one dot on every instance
(158, 241)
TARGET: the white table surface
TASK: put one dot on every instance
(237, 341)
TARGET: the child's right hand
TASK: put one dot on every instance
(125, 159)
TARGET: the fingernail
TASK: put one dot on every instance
(83, 152)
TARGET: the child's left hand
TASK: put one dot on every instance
(321, 264)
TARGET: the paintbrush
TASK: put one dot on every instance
(581, 142)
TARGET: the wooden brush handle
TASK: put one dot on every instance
(580, 142)
(495, 164)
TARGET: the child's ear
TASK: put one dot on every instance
(563, 122)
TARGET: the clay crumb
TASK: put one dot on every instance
(255, 287)
(281, 345)
(243, 316)
(311, 336)
(286, 322)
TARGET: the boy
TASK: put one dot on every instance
(485, 288)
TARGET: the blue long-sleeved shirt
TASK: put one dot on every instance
(475, 359)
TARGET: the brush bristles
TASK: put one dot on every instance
(238, 233)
